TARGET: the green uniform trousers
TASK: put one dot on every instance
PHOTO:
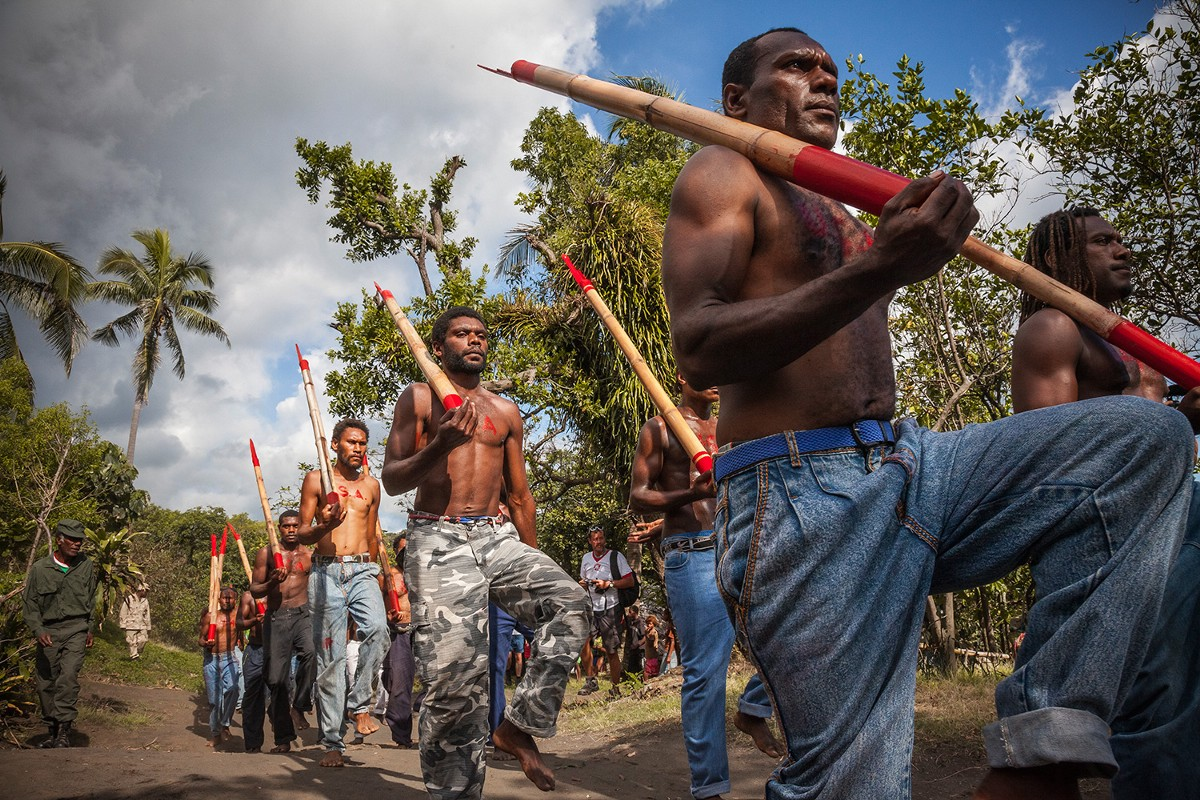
(58, 669)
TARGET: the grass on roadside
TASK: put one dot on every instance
(949, 711)
(160, 665)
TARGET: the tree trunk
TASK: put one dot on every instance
(133, 426)
(942, 633)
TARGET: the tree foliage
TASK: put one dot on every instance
(376, 218)
(1129, 147)
(952, 333)
(163, 288)
(42, 280)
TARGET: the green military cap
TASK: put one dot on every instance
(71, 528)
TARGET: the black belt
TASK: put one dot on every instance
(689, 544)
(360, 558)
(864, 433)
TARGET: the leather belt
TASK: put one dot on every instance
(864, 433)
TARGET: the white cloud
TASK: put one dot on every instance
(127, 115)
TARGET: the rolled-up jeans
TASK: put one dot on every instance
(705, 635)
(336, 589)
(1156, 737)
(825, 560)
(222, 673)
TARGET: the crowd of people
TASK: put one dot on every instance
(814, 542)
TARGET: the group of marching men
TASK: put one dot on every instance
(825, 522)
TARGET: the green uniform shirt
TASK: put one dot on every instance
(52, 595)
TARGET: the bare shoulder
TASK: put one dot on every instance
(714, 171)
(1048, 329)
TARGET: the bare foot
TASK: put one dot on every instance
(516, 742)
(758, 730)
(364, 725)
(213, 742)
(500, 755)
(333, 758)
(1052, 782)
(299, 720)
(286, 747)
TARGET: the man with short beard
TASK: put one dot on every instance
(287, 630)
(344, 582)
(462, 554)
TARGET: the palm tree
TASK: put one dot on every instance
(42, 280)
(162, 289)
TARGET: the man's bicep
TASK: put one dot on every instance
(647, 459)
(514, 456)
(1046, 355)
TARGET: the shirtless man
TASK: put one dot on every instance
(344, 580)
(833, 524)
(460, 555)
(221, 668)
(1056, 360)
(254, 698)
(287, 630)
(665, 481)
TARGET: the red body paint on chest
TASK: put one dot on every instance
(489, 426)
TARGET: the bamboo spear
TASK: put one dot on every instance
(675, 421)
(262, 608)
(851, 182)
(314, 415)
(429, 367)
(213, 583)
(272, 537)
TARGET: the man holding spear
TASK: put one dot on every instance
(287, 630)
(666, 481)
(344, 580)
(833, 524)
(220, 637)
(1055, 360)
(460, 555)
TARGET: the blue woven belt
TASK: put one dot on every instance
(864, 433)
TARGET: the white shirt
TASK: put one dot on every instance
(599, 569)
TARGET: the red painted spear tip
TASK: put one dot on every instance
(584, 282)
(301, 359)
(253, 453)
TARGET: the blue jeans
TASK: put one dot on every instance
(254, 698)
(705, 636)
(1156, 738)
(825, 560)
(221, 675)
(500, 627)
(335, 590)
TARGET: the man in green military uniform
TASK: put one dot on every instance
(60, 597)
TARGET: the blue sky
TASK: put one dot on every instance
(133, 114)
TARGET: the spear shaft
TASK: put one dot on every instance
(854, 183)
(429, 367)
(213, 590)
(314, 415)
(262, 609)
(272, 537)
(675, 421)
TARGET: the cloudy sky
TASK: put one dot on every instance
(181, 114)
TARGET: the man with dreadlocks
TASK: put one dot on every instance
(1056, 361)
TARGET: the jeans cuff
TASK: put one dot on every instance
(712, 790)
(510, 714)
(754, 709)
(1051, 736)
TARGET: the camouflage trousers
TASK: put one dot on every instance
(453, 569)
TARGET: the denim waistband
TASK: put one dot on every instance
(864, 433)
